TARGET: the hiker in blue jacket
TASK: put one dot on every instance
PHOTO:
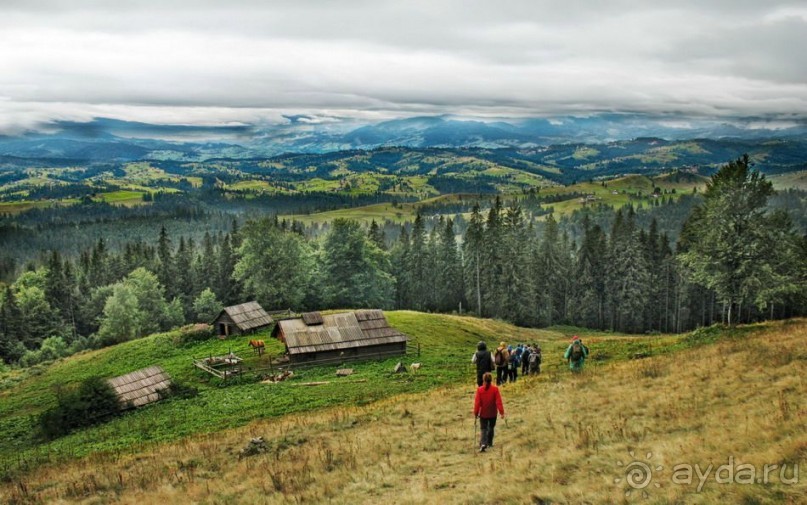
(525, 360)
(514, 362)
(576, 354)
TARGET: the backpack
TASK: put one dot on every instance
(513, 361)
(577, 351)
(498, 358)
(535, 357)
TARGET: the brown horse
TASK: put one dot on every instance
(257, 346)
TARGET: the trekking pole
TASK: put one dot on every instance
(474, 439)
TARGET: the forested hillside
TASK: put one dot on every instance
(599, 267)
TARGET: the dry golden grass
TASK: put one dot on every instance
(742, 397)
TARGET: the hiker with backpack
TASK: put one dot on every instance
(576, 353)
(487, 402)
(535, 360)
(483, 361)
(513, 363)
(525, 360)
(500, 358)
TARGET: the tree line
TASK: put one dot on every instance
(734, 261)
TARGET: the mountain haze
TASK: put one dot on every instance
(108, 139)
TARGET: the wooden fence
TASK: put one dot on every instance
(412, 350)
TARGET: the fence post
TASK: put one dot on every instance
(418, 349)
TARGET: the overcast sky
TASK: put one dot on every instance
(241, 61)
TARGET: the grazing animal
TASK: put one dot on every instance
(257, 346)
(415, 367)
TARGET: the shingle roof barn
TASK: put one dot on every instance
(242, 318)
(140, 387)
(348, 334)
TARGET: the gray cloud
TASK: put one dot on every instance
(211, 62)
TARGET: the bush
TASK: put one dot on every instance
(92, 402)
(52, 349)
(193, 333)
(178, 390)
(705, 335)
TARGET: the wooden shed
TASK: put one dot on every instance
(140, 387)
(242, 318)
(315, 337)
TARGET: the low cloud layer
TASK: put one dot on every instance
(248, 62)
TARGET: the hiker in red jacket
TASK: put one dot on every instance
(487, 401)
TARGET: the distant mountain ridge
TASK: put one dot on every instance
(106, 139)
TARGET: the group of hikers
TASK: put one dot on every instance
(507, 360)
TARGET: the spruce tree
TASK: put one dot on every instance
(165, 266)
(376, 235)
(493, 262)
(227, 286)
(418, 265)
(517, 285)
(473, 257)
(449, 270)
(184, 279)
(591, 279)
(552, 270)
(400, 258)
(628, 277)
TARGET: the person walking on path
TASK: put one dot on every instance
(525, 360)
(483, 361)
(487, 402)
(576, 354)
(535, 360)
(515, 362)
(501, 358)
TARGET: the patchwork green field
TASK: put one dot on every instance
(633, 189)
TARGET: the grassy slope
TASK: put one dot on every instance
(445, 340)
(379, 212)
(562, 443)
(796, 180)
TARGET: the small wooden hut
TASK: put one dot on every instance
(243, 318)
(140, 387)
(363, 334)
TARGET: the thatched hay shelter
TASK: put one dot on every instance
(242, 318)
(140, 387)
(334, 337)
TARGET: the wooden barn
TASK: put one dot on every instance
(364, 334)
(140, 387)
(240, 319)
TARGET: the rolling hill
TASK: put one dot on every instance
(393, 172)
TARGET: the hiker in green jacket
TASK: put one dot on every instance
(576, 354)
